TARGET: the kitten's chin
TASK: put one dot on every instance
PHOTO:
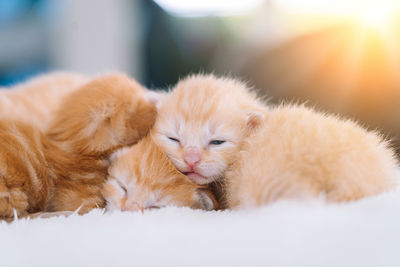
(197, 178)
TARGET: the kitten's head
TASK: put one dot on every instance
(106, 113)
(141, 177)
(202, 122)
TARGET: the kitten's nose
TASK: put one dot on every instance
(192, 156)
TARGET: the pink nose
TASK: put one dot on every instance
(192, 156)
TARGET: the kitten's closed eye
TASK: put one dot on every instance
(216, 142)
(114, 183)
(153, 208)
(122, 187)
(174, 139)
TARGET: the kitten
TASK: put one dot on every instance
(64, 168)
(299, 153)
(141, 177)
(205, 120)
(37, 100)
(202, 122)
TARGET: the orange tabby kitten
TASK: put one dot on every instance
(141, 177)
(297, 152)
(37, 100)
(65, 167)
(204, 121)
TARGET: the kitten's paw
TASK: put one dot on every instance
(10, 200)
(206, 200)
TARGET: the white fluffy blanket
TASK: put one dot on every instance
(288, 233)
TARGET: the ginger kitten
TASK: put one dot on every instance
(299, 153)
(141, 177)
(37, 100)
(64, 168)
(202, 122)
(209, 125)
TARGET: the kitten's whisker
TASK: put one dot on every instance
(77, 210)
(15, 215)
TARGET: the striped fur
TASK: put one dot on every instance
(64, 167)
(141, 177)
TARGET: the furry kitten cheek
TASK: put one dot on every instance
(156, 200)
(179, 164)
(114, 188)
(113, 198)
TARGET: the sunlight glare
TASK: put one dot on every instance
(377, 17)
(373, 14)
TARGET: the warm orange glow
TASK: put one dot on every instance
(353, 50)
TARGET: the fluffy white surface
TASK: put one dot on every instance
(288, 233)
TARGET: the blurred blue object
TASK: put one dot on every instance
(16, 76)
(22, 39)
(11, 10)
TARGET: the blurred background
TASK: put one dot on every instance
(338, 56)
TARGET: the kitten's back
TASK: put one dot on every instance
(298, 152)
(36, 100)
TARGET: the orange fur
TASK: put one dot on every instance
(200, 109)
(141, 177)
(37, 100)
(269, 153)
(299, 153)
(65, 167)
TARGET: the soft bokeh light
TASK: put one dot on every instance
(189, 8)
(374, 14)
(377, 16)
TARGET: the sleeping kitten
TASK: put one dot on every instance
(65, 167)
(202, 122)
(299, 153)
(141, 177)
(37, 100)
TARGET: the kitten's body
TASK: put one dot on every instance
(299, 153)
(37, 100)
(141, 177)
(64, 168)
(204, 122)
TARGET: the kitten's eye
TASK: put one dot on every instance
(173, 139)
(216, 142)
(153, 208)
(122, 187)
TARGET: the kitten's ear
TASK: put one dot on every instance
(254, 119)
(155, 97)
(206, 199)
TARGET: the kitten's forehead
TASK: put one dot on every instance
(197, 125)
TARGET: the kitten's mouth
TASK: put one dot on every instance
(197, 178)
